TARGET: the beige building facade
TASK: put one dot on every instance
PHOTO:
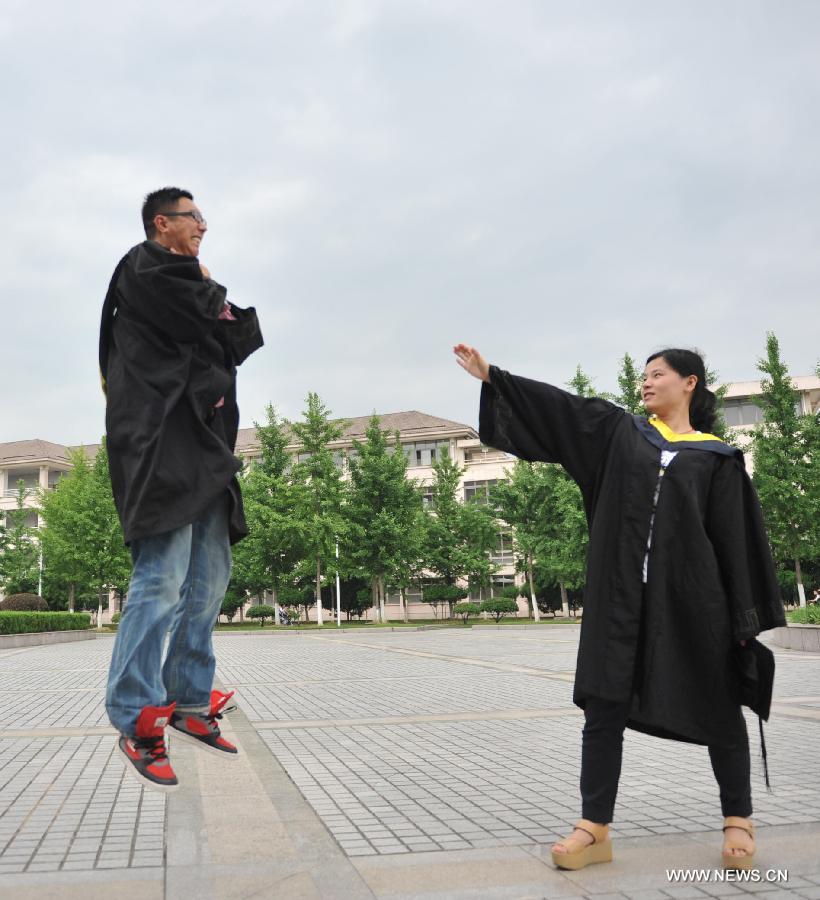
(742, 414)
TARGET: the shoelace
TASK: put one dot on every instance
(212, 719)
(155, 747)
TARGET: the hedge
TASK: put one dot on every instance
(27, 622)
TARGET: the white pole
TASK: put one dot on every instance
(40, 579)
(338, 591)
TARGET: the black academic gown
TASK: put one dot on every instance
(665, 645)
(166, 359)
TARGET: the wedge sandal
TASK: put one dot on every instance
(730, 860)
(599, 851)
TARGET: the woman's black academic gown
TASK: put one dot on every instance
(167, 359)
(667, 644)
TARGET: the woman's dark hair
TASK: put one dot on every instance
(703, 408)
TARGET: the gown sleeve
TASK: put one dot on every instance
(240, 335)
(539, 422)
(735, 527)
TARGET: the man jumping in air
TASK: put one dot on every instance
(170, 343)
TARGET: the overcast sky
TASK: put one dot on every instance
(556, 183)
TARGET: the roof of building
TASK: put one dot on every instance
(37, 451)
(752, 388)
(410, 423)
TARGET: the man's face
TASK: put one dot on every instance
(178, 228)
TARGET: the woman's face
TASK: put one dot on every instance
(664, 390)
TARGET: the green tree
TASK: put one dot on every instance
(322, 495)
(231, 604)
(301, 594)
(480, 534)
(459, 537)
(520, 500)
(19, 549)
(465, 610)
(83, 545)
(442, 551)
(786, 451)
(382, 513)
(561, 544)
(409, 564)
(498, 607)
(275, 544)
(582, 384)
(630, 384)
(436, 594)
(262, 611)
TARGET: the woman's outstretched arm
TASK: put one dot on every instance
(540, 422)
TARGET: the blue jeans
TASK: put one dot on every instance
(177, 586)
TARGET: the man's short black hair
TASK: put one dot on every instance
(156, 202)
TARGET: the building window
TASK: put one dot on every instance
(426, 495)
(30, 521)
(502, 581)
(478, 491)
(742, 411)
(503, 553)
(424, 453)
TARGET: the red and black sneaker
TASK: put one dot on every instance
(145, 753)
(201, 728)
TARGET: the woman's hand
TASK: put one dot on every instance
(472, 361)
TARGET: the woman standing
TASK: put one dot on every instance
(678, 572)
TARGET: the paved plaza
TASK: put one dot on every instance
(380, 764)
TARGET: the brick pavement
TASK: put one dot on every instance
(434, 764)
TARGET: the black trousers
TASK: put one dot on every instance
(601, 754)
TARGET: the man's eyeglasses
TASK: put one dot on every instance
(191, 214)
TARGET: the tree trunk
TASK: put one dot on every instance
(535, 611)
(319, 619)
(277, 618)
(382, 610)
(564, 601)
(403, 600)
(71, 598)
(374, 598)
(798, 574)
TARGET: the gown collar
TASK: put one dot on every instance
(660, 435)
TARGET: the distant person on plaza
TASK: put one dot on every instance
(680, 577)
(170, 343)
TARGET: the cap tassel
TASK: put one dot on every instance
(763, 754)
